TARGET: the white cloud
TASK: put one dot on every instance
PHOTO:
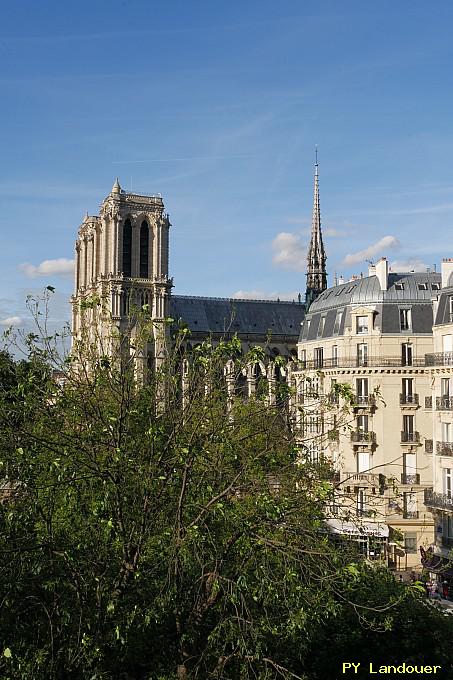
(335, 233)
(11, 321)
(289, 251)
(261, 295)
(409, 265)
(385, 243)
(59, 267)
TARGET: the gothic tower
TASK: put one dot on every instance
(122, 260)
(316, 258)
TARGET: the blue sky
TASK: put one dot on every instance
(218, 106)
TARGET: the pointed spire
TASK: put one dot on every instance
(116, 189)
(316, 257)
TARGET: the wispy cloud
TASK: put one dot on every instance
(384, 244)
(262, 295)
(59, 267)
(11, 321)
(336, 233)
(289, 251)
(410, 265)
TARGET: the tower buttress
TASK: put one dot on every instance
(316, 257)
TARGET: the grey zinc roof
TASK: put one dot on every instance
(443, 308)
(245, 317)
(413, 289)
(367, 290)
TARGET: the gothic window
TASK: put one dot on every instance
(144, 249)
(127, 248)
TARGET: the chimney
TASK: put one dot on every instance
(371, 269)
(447, 270)
(382, 272)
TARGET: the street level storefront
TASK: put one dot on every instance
(440, 570)
(371, 537)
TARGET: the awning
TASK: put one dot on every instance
(337, 526)
(436, 563)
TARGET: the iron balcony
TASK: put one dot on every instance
(356, 362)
(362, 437)
(410, 478)
(409, 399)
(444, 403)
(438, 500)
(410, 437)
(439, 359)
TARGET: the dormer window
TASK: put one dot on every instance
(322, 322)
(338, 320)
(399, 285)
(435, 286)
(362, 325)
(422, 286)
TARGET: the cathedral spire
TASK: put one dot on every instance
(316, 257)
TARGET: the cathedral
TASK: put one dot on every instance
(122, 257)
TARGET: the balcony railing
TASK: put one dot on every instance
(365, 400)
(444, 403)
(359, 478)
(410, 514)
(428, 445)
(428, 402)
(438, 500)
(362, 437)
(356, 362)
(444, 448)
(409, 399)
(439, 359)
(410, 478)
(410, 437)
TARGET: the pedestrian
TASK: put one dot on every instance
(445, 590)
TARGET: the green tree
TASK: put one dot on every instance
(163, 532)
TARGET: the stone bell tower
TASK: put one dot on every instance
(121, 262)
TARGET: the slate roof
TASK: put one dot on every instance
(208, 315)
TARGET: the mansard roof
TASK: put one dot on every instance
(414, 290)
(406, 287)
(443, 315)
(227, 316)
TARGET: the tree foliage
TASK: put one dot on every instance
(159, 532)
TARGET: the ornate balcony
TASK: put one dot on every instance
(409, 400)
(410, 514)
(444, 403)
(428, 402)
(444, 448)
(362, 437)
(410, 437)
(410, 478)
(356, 362)
(359, 478)
(428, 445)
(438, 500)
(439, 359)
(364, 401)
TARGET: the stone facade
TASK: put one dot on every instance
(122, 259)
(373, 334)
